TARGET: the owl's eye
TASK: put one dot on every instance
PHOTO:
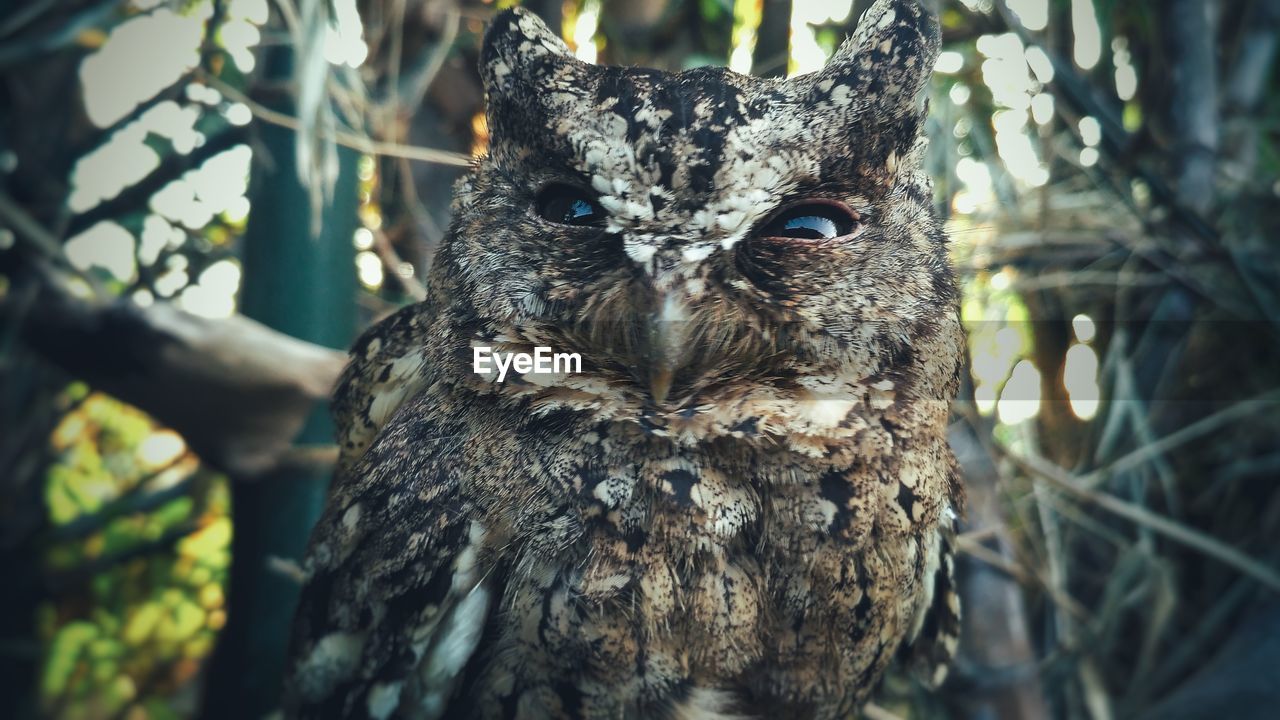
(568, 205)
(813, 221)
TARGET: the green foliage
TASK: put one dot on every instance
(144, 591)
(714, 10)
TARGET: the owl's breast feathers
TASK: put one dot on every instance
(487, 559)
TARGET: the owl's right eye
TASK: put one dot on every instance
(568, 205)
(814, 221)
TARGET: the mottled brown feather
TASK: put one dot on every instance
(765, 540)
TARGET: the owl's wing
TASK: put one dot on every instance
(393, 606)
(929, 650)
(386, 367)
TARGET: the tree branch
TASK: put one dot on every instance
(340, 137)
(237, 391)
(60, 581)
(140, 499)
(773, 40)
(1177, 532)
(98, 139)
(171, 168)
(65, 34)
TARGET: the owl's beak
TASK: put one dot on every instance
(667, 346)
(660, 383)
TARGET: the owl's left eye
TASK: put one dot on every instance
(813, 221)
(568, 205)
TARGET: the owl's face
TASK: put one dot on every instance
(688, 232)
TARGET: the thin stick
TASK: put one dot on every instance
(50, 256)
(346, 139)
(1179, 533)
(1025, 576)
(873, 711)
(392, 261)
(1178, 437)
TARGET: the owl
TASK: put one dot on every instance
(742, 503)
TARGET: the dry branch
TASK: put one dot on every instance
(346, 139)
(1179, 533)
(236, 390)
(135, 197)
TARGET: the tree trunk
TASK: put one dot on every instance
(666, 34)
(773, 40)
(996, 661)
(302, 285)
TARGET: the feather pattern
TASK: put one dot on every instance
(744, 505)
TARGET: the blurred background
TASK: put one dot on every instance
(203, 201)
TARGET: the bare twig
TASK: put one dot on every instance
(27, 230)
(61, 581)
(140, 498)
(417, 84)
(346, 139)
(392, 261)
(22, 16)
(873, 711)
(16, 51)
(1159, 447)
(1182, 534)
(1025, 576)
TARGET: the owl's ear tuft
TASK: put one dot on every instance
(520, 50)
(884, 66)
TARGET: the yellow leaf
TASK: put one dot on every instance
(91, 38)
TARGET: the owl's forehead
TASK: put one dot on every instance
(700, 152)
(652, 103)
